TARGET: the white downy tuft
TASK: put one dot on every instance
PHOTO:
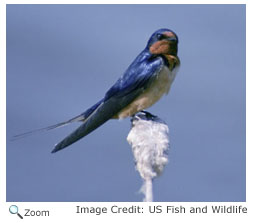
(149, 140)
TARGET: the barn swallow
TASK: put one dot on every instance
(145, 81)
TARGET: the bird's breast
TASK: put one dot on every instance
(151, 95)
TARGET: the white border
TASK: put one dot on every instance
(66, 210)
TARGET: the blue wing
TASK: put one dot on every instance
(139, 74)
(138, 77)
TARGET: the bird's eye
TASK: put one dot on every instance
(160, 36)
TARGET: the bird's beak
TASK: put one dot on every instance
(172, 39)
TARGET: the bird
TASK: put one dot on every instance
(145, 81)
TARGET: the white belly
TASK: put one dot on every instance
(151, 95)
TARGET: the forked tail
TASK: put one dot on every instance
(81, 117)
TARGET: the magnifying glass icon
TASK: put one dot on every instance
(14, 210)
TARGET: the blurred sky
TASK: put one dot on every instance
(61, 59)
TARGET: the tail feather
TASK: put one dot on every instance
(98, 117)
(22, 135)
(81, 117)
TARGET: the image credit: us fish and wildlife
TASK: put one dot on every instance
(126, 103)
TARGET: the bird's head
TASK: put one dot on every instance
(163, 41)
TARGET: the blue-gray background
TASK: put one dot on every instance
(61, 59)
